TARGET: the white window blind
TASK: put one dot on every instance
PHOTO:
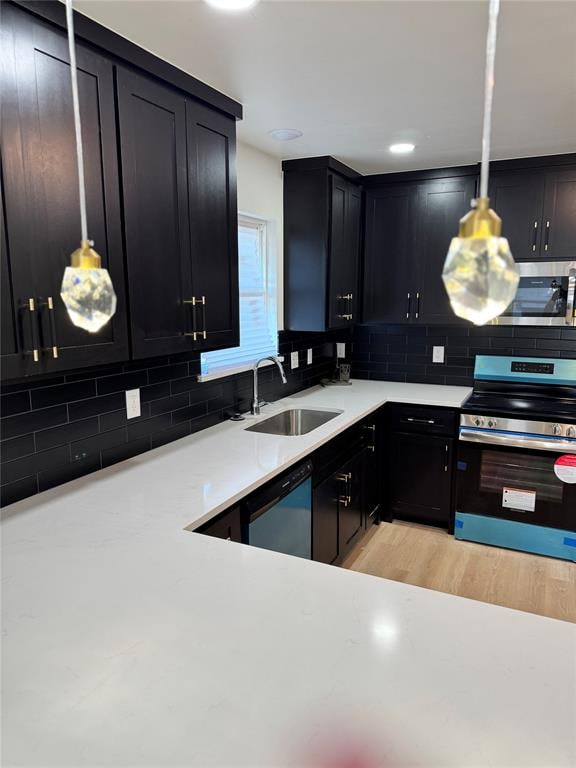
(258, 320)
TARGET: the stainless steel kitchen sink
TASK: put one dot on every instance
(296, 421)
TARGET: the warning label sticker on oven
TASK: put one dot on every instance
(514, 498)
(565, 468)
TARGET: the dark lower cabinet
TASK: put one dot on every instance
(225, 526)
(347, 491)
(41, 203)
(420, 478)
(418, 464)
(325, 505)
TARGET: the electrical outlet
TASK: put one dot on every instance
(132, 403)
(340, 349)
(437, 354)
(309, 356)
(294, 362)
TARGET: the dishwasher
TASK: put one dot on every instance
(279, 516)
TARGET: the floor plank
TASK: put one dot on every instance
(429, 557)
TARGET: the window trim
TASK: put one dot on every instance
(268, 228)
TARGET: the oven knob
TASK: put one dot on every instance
(479, 421)
(492, 423)
(557, 429)
(571, 432)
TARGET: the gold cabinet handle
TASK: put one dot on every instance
(30, 307)
(192, 303)
(53, 346)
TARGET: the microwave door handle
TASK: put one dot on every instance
(571, 298)
(518, 441)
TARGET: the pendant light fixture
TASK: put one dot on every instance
(479, 274)
(87, 289)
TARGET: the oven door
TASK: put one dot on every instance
(545, 295)
(512, 482)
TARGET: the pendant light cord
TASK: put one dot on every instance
(488, 94)
(77, 126)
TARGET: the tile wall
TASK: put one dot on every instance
(54, 430)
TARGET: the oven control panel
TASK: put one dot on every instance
(527, 366)
(522, 426)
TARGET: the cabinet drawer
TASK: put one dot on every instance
(417, 418)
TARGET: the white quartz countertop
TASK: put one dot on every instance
(128, 641)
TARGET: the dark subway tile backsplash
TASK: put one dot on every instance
(404, 353)
(57, 429)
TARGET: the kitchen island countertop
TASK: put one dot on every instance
(128, 640)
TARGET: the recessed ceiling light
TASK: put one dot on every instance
(232, 5)
(401, 149)
(285, 134)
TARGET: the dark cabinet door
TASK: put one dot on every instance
(325, 520)
(226, 526)
(559, 221)
(441, 204)
(350, 508)
(420, 478)
(372, 490)
(388, 293)
(213, 226)
(353, 230)
(345, 211)
(41, 200)
(155, 191)
(517, 197)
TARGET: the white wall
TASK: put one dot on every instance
(260, 194)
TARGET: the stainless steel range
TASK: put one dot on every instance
(516, 478)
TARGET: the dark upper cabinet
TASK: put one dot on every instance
(344, 243)
(171, 225)
(179, 188)
(41, 203)
(322, 220)
(538, 211)
(518, 197)
(155, 191)
(408, 229)
(441, 204)
(389, 246)
(213, 226)
(559, 220)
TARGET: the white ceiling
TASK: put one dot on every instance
(358, 75)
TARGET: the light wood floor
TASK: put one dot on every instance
(429, 557)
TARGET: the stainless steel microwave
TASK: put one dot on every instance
(545, 295)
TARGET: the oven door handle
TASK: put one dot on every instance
(520, 441)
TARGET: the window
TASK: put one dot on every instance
(258, 320)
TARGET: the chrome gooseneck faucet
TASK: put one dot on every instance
(255, 411)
